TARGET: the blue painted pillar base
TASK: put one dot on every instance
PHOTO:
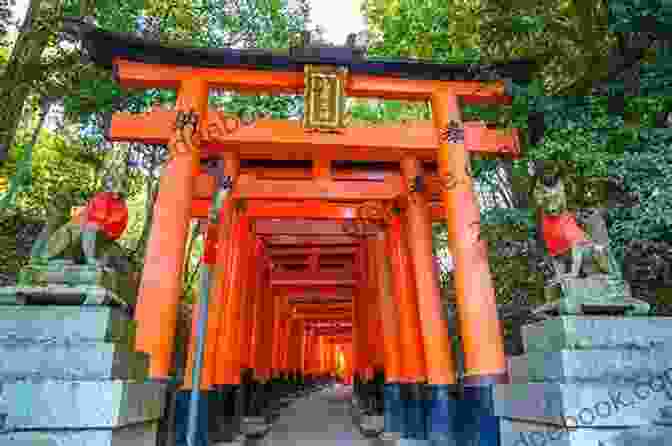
(476, 416)
(182, 416)
(441, 412)
(393, 408)
(415, 423)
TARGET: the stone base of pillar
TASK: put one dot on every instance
(394, 409)
(225, 426)
(442, 409)
(183, 399)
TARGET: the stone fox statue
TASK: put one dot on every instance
(87, 238)
(573, 249)
(587, 277)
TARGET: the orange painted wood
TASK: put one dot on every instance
(338, 339)
(277, 315)
(291, 209)
(260, 307)
(347, 349)
(288, 140)
(301, 209)
(229, 360)
(413, 367)
(285, 173)
(372, 314)
(217, 297)
(292, 353)
(264, 368)
(251, 188)
(247, 302)
(313, 283)
(322, 168)
(299, 308)
(438, 352)
(297, 292)
(316, 316)
(481, 330)
(225, 281)
(279, 253)
(359, 328)
(219, 280)
(471, 92)
(310, 240)
(307, 346)
(138, 75)
(284, 344)
(204, 187)
(161, 285)
(266, 226)
(389, 311)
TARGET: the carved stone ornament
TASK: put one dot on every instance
(324, 97)
(452, 133)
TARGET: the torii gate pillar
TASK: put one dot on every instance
(161, 287)
(481, 331)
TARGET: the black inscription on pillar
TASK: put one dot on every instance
(417, 184)
(452, 133)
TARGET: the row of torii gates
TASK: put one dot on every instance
(323, 242)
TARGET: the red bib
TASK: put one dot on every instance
(109, 213)
(561, 232)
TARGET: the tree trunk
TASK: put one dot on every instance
(24, 69)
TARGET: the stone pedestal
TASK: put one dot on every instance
(590, 379)
(594, 294)
(69, 376)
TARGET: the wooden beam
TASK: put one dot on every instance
(311, 240)
(304, 308)
(139, 75)
(314, 209)
(305, 279)
(322, 316)
(282, 252)
(300, 209)
(312, 282)
(288, 140)
(251, 188)
(265, 227)
(327, 300)
(336, 339)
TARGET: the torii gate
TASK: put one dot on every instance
(320, 192)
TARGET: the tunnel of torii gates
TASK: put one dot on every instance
(313, 256)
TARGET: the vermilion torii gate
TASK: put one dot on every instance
(357, 238)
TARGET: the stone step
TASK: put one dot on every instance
(518, 433)
(61, 323)
(587, 404)
(596, 332)
(613, 366)
(142, 434)
(79, 404)
(83, 361)
(62, 294)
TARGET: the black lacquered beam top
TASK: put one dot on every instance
(103, 46)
